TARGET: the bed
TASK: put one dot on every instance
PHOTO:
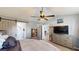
(36, 45)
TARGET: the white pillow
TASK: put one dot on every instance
(5, 36)
(0, 34)
(1, 41)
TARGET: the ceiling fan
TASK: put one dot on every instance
(43, 16)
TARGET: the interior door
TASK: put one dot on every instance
(21, 30)
(45, 32)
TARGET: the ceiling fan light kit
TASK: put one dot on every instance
(42, 19)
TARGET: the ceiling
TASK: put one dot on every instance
(25, 13)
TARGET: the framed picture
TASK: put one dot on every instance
(59, 20)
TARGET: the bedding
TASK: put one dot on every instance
(2, 39)
(5, 36)
(36, 45)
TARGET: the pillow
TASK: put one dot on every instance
(5, 36)
(1, 41)
(10, 42)
(0, 34)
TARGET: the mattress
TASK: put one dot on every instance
(36, 45)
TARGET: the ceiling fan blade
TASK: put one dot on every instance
(36, 16)
(50, 16)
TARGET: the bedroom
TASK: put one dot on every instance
(22, 25)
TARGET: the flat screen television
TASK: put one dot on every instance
(61, 29)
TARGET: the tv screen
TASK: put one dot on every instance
(61, 29)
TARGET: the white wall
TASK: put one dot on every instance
(70, 20)
(29, 26)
